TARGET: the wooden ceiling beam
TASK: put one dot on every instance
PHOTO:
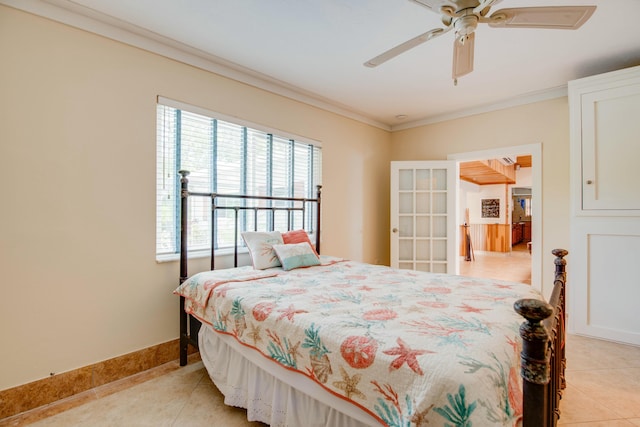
(485, 172)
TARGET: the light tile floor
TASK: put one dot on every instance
(603, 390)
(514, 266)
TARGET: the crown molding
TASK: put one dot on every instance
(72, 14)
(528, 98)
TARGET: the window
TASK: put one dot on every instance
(226, 158)
(527, 206)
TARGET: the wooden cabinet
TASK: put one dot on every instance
(526, 231)
(516, 233)
(520, 232)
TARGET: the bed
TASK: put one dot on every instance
(299, 338)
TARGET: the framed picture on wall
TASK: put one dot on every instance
(490, 208)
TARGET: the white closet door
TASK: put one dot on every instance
(604, 269)
(610, 149)
(423, 215)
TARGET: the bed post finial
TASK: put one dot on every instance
(560, 263)
(534, 360)
(534, 367)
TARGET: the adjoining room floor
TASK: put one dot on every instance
(514, 266)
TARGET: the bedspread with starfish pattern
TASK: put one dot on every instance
(410, 348)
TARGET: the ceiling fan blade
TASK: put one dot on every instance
(463, 56)
(484, 4)
(554, 17)
(403, 47)
(426, 4)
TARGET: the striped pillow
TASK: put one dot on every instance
(296, 255)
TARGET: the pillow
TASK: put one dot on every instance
(297, 236)
(260, 244)
(296, 255)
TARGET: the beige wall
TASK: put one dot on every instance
(545, 122)
(80, 283)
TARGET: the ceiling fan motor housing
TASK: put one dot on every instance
(465, 24)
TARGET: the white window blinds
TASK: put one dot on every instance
(226, 158)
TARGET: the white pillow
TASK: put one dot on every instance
(296, 255)
(260, 244)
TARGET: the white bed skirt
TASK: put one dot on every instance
(269, 392)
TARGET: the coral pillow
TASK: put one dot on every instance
(296, 255)
(297, 236)
(260, 244)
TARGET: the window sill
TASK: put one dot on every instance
(206, 253)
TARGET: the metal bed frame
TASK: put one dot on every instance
(543, 359)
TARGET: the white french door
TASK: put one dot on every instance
(424, 215)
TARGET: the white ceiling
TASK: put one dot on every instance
(316, 48)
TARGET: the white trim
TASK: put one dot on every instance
(235, 120)
(536, 193)
(528, 98)
(221, 255)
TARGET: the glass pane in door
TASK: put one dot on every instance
(405, 203)
(439, 179)
(439, 226)
(423, 179)
(405, 180)
(406, 226)
(423, 228)
(439, 250)
(439, 203)
(423, 250)
(423, 204)
(406, 250)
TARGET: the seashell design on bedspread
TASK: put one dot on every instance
(410, 348)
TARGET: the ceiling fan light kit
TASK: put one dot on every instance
(463, 16)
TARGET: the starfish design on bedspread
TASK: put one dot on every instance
(289, 312)
(405, 355)
(349, 384)
(294, 352)
(254, 333)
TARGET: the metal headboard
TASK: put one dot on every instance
(188, 325)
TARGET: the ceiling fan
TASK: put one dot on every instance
(463, 16)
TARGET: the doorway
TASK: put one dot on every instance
(496, 262)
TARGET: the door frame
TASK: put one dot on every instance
(535, 150)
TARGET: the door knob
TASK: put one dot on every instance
(589, 182)
(395, 230)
